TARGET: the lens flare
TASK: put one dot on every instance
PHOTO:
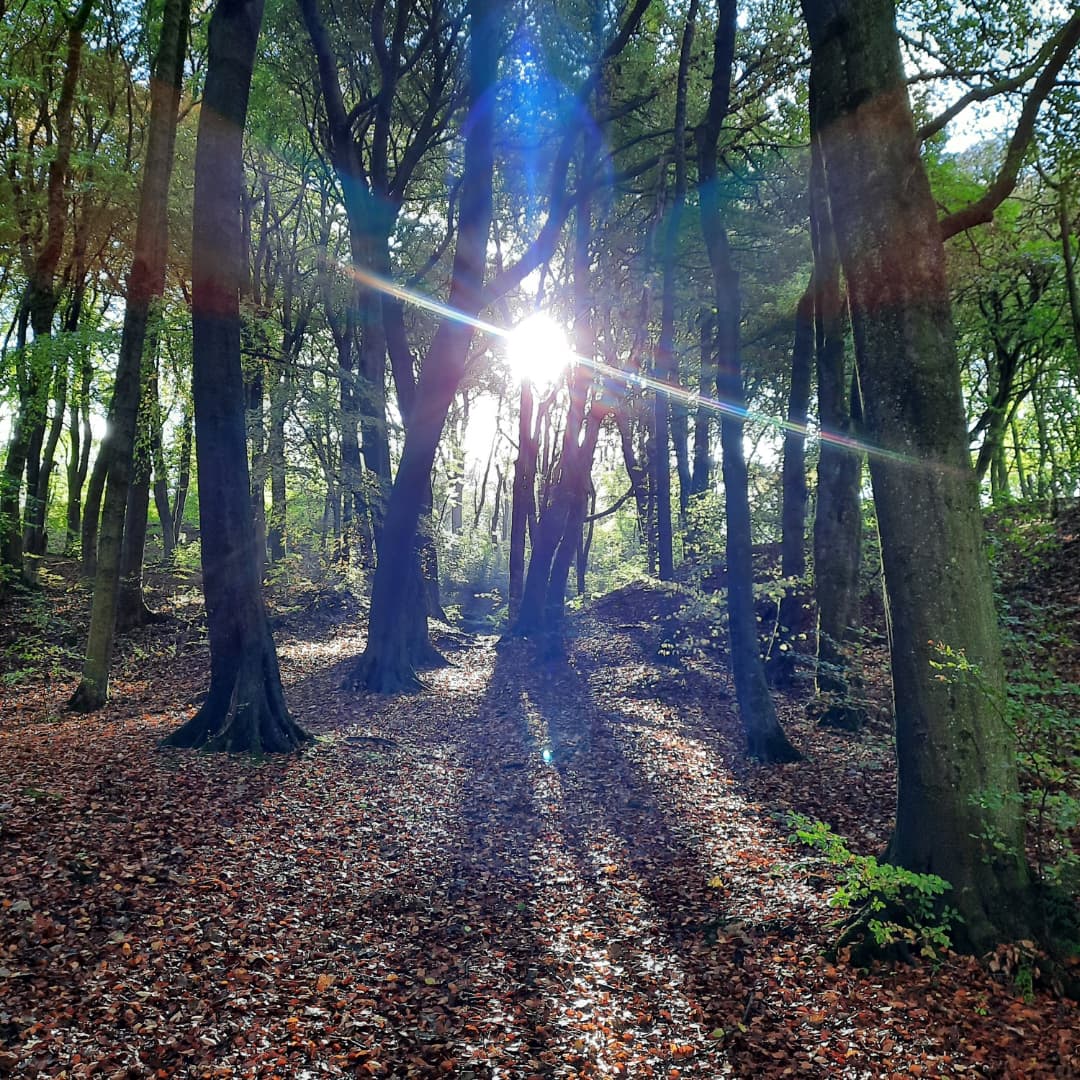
(537, 351)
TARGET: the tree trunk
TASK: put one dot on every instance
(765, 737)
(161, 479)
(280, 395)
(522, 502)
(397, 629)
(244, 709)
(790, 619)
(183, 477)
(959, 809)
(81, 436)
(838, 516)
(35, 539)
(146, 283)
(699, 477)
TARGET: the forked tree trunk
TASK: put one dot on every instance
(765, 738)
(145, 283)
(959, 809)
(244, 709)
(397, 628)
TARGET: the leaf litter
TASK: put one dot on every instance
(532, 870)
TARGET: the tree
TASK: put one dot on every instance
(396, 638)
(146, 283)
(41, 297)
(764, 736)
(958, 806)
(245, 708)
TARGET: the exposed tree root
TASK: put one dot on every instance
(88, 698)
(383, 675)
(249, 717)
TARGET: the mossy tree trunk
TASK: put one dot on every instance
(959, 811)
(244, 709)
(145, 283)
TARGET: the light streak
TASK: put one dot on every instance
(692, 399)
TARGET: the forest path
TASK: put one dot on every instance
(563, 870)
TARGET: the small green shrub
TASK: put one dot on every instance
(902, 911)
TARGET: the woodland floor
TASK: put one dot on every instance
(530, 871)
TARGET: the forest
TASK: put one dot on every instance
(539, 538)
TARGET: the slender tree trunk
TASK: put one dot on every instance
(280, 395)
(244, 709)
(699, 477)
(183, 478)
(1064, 193)
(522, 503)
(764, 736)
(35, 539)
(146, 283)
(959, 810)
(790, 619)
(161, 479)
(80, 436)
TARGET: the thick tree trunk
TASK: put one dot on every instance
(765, 737)
(244, 709)
(959, 810)
(146, 282)
(395, 644)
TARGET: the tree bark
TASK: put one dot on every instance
(245, 709)
(838, 516)
(146, 283)
(959, 810)
(765, 737)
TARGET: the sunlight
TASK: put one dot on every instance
(537, 350)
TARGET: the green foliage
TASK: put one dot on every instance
(44, 647)
(899, 908)
(1040, 708)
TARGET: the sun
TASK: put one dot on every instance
(537, 350)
